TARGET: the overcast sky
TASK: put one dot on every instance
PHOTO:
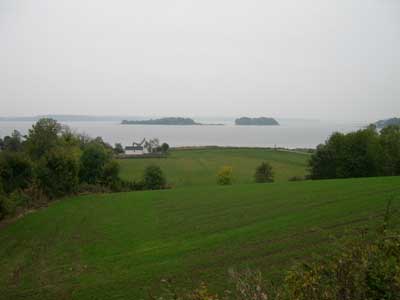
(324, 59)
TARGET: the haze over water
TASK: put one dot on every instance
(290, 134)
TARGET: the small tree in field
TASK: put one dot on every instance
(225, 176)
(264, 173)
(154, 178)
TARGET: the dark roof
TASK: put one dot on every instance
(134, 148)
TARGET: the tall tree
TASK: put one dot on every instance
(43, 136)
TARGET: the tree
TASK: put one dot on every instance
(154, 178)
(356, 154)
(264, 173)
(164, 148)
(390, 141)
(118, 149)
(110, 176)
(225, 176)
(94, 157)
(57, 173)
(43, 136)
(15, 171)
(13, 142)
(152, 145)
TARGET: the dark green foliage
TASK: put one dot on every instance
(93, 161)
(164, 147)
(12, 143)
(118, 149)
(6, 206)
(390, 141)
(363, 153)
(15, 171)
(57, 173)
(153, 178)
(110, 174)
(264, 173)
(43, 137)
(54, 162)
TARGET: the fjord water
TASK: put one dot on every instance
(290, 134)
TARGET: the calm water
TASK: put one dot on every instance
(291, 134)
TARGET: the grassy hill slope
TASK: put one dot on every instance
(199, 167)
(115, 246)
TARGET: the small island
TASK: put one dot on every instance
(387, 122)
(162, 121)
(262, 121)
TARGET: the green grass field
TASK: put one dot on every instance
(199, 167)
(116, 246)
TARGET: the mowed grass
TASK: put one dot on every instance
(200, 167)
(117, 246)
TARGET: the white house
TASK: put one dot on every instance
(136, 148)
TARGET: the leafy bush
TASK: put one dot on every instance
(264, 173)
(93, 160)
(110, 175)
(154, 178)
(118, 149)
(225, 176)
(12, 143)
(6, 206)
(15, 171)
(57, 173)
(164, 148)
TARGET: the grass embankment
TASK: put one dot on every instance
(199, 167)
(115, 246)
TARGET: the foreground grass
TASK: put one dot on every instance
(199, 167)
(117, 246)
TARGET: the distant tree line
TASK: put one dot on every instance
(364, 153)
(52, 162)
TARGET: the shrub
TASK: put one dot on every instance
(6, 206)
(15, 171)
(154, 178)
(118, 149)
(264, 173)
(164, 147)
(225, 176)
(93, 160)
(110, 176)
(12, 143)
(57, 173)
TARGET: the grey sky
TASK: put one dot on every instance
(326, 59)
